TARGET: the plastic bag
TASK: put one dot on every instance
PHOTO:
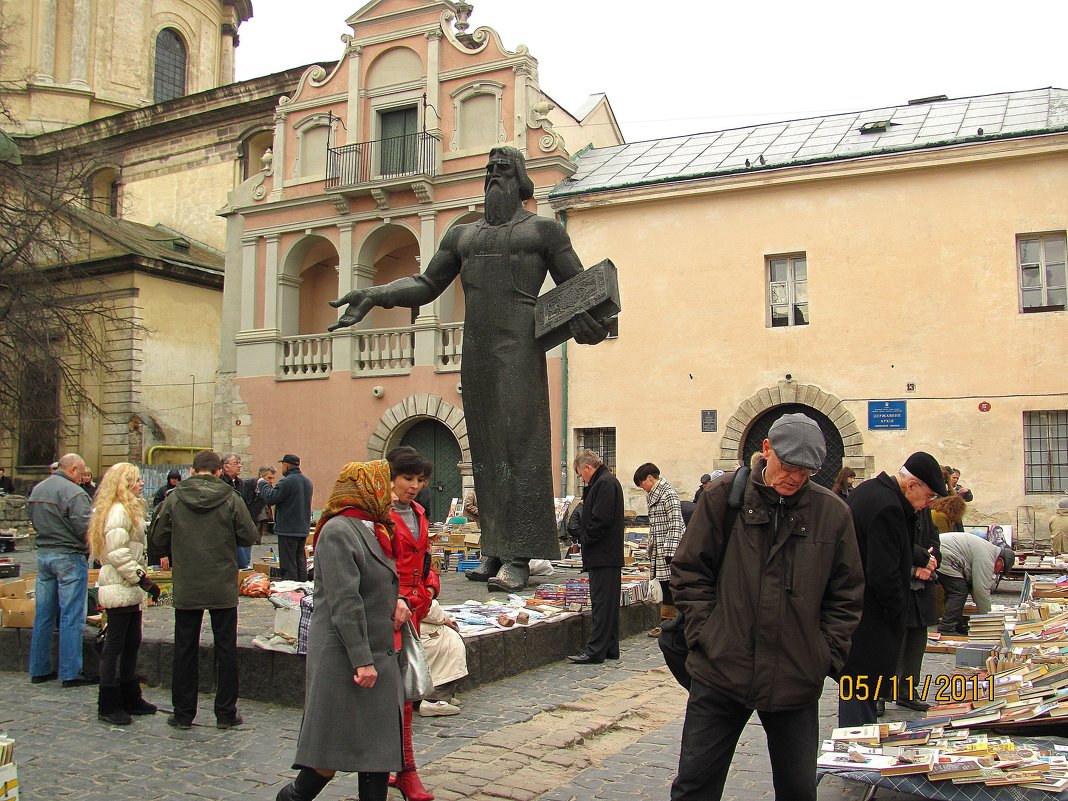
(256, 585)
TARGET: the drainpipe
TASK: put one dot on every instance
(563, 399)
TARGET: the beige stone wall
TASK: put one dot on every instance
(184, 199)
(64, 69)
(912, 279)
(181, 343)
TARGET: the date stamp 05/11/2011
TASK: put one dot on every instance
(937, 689)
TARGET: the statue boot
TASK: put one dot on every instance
(487, 569)
(512, 577)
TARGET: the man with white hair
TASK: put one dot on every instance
(59, 510)
(885, 515)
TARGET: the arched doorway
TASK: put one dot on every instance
(432, 439)
(758, 432)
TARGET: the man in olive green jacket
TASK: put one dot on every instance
(200, 524)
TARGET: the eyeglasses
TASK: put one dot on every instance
(793, 469)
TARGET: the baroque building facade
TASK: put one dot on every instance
(373, 160)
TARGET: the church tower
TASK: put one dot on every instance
(67, 62)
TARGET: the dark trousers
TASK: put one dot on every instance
(856, 713)
(122, 639)
(714, 722)
(186, 678)
(909, 664)
(605, 583)
(291, 558)
(956, 594)
(665, 591)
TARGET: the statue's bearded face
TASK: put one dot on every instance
(502, 191)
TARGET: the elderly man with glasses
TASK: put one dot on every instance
(886, 514)
(769, 606)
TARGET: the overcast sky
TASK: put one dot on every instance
(673, 68)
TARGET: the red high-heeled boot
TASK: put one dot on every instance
(411, 786)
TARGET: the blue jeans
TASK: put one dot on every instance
(244, 556)
(62, 583)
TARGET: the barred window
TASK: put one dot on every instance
(170, 66)
(38, 414)
(601, 441)
(1046, 452)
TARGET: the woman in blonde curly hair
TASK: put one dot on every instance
(117, 540)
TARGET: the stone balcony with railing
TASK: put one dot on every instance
(371, 352)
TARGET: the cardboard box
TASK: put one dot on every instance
(473, 539)
(9, 782)
(17, 613)
(270, 569)
(18, 588)
(243, 574)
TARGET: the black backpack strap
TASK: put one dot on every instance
(734, 503)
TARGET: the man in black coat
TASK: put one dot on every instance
(885, 513)
(291, 499)
(601, 538)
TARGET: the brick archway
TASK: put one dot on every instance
(790, 392)
(396, 421)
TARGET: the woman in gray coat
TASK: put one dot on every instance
(354, 697)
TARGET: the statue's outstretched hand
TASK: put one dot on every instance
(586, 330)
(359, 303)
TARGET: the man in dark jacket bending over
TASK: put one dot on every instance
(769, 612)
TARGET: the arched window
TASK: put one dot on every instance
(170, 66)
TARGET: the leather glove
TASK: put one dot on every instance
(149, 586)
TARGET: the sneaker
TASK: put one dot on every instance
(434, 709)
(229, 723)
(80, 681)
(46, 677)
(179, 724)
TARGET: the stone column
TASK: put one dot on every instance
(342, 344)
(227, 43)
(46, 54)
(353, 133)
(271, 288)
(79, 55)
(248, 284)
(433, 83)
(279, 161)
(426, 323)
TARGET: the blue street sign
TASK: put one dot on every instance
(887, 415)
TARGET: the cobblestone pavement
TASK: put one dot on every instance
(560, 733)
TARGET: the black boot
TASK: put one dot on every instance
(109, 707)
(132, 700)
(487, 568)
(372, 786)
(305, 787)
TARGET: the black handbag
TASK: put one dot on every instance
(672, 639)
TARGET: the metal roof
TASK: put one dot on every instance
(915, 126)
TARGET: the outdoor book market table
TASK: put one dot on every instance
(920, 785)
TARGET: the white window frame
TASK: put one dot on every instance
(786, 293)
(1042, 265)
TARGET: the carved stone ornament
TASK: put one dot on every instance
(423, 192)
(267, 161)
(480, 37)
(340, 204)
(381, 198)
(539, 118)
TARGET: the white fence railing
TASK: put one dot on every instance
(386, 351)
(305, 357)
(448, 347)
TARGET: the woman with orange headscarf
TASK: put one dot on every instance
(354, 696)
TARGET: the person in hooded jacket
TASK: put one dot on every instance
(200, 525)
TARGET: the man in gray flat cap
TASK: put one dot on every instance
(751, 598)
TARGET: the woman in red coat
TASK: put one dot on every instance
(419, 584)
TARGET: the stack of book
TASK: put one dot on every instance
(948, 755)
